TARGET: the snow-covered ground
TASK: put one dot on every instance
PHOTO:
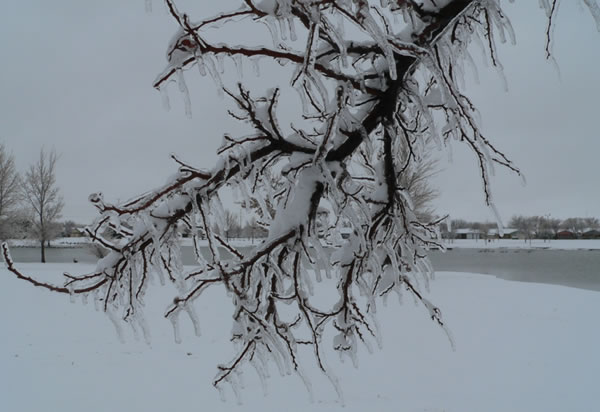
(82, 241)
(519, 347)
(58, 242)
(457, 243)
(566, 244)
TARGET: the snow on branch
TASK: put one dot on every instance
(379, 84)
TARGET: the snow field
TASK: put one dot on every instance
(520, 347)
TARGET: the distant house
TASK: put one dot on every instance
(507, 233)
(77, 232)
(472, 234)
(566, 234)
(591, 234)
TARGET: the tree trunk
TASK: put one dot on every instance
(43, 250)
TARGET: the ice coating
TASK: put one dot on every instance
(380, 83)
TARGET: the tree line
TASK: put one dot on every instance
(30, 202)
(538, 227)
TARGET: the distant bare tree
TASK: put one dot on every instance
(42, 196)
(9, 189)
(524, 224)
(553, 225)
(591, 222)
(574, 224)
(233, 228)
(69, 227)
(459, 224)
(418, 184)
(547, 227)
(19, 225)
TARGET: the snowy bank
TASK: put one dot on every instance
(575, 244)
(58, 242)
(520, 347)
(65, 242)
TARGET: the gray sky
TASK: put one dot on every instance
(77, 76)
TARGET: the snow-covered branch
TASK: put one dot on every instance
(379, 84)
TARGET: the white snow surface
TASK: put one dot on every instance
(58, 242)
(520, 347)
(456, 243)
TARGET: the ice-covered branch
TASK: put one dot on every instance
(331, 188)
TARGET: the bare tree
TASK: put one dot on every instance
(69, 228)
(526, 225)
(373, 95)
(42, 196)
(232, 228)
(553, 226)
(574, 224)
(591, 222)
(9, 190)
(417, 183)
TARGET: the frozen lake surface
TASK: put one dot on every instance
(575, 268)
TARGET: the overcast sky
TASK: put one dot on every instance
(76, 76)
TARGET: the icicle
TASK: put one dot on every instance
(293, 36)
(255, 66)
(319, 86)
(283, 28)
(157, 265)
(235, 387)
(194, 318)
(262, 376)
(372, 27)
(273, 30)
(71, 293)
(523, 179)
(306, 383)
(201, 65)
(113, 318)
(546, 6)
(164, 94)
(186, 94)
(237, 61)
(220, 63)
(174, 318)
(148, 6)
(280, 364)
(303, 98)
(144, 326)
(212, 70)
(221, 393)
(594, 11)
(136, 334)
(336, 385)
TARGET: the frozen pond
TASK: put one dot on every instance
(574, 268)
